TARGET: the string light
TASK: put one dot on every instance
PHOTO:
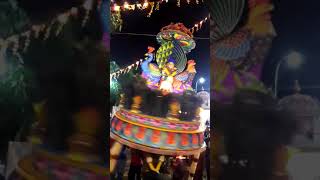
(126, 69)
(151, 10)
(158, 6)
(126, 6)
(198, 26)
(137, 63)
(116, 7)
(145, 4)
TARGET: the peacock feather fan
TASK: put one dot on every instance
(174, 50)
(226, 14)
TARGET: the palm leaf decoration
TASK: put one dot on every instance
(226, 15)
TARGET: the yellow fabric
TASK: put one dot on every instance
(157, 169)
(257, 21)
(220, 72)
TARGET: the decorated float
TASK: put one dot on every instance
(159, 114)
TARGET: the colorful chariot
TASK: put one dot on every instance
(162, 119)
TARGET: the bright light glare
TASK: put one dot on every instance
(204, 117)
(202, 80)
(294, 60)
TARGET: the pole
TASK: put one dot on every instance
(197, 85)
(276, 78)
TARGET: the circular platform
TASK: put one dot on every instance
(157, 135)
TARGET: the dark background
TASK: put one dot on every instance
(127, 49)
(297, 25)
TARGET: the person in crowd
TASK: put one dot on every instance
(254, 132)
(121, 165)
(135, 165)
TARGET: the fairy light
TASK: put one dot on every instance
(139, 6)
(126, 5)
(198, 26)
(127, 69)
(158, 6)
(145, 4)
(116, 7)
(151, 10)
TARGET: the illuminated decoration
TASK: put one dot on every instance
(178, 32)
(125, 70)
(196, 27)
(173, 130)
(167, 46)
(151, 9)
(238, 50)
(172, 73)
(22, 40)
(127, 7)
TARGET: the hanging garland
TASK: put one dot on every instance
(153, 6)
(196, 27)
(22, 40)
(142, 6)
(125, 70)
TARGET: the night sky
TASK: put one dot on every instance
(127, 49)
(298, 25)
(296, 22)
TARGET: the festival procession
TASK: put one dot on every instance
(160, 120)
(159, 90)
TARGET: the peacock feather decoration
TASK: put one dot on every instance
(172, 71)
(240, 38)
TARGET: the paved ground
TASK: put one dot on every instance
(305, 165)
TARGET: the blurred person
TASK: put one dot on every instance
(135, 165)
(255, 134)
